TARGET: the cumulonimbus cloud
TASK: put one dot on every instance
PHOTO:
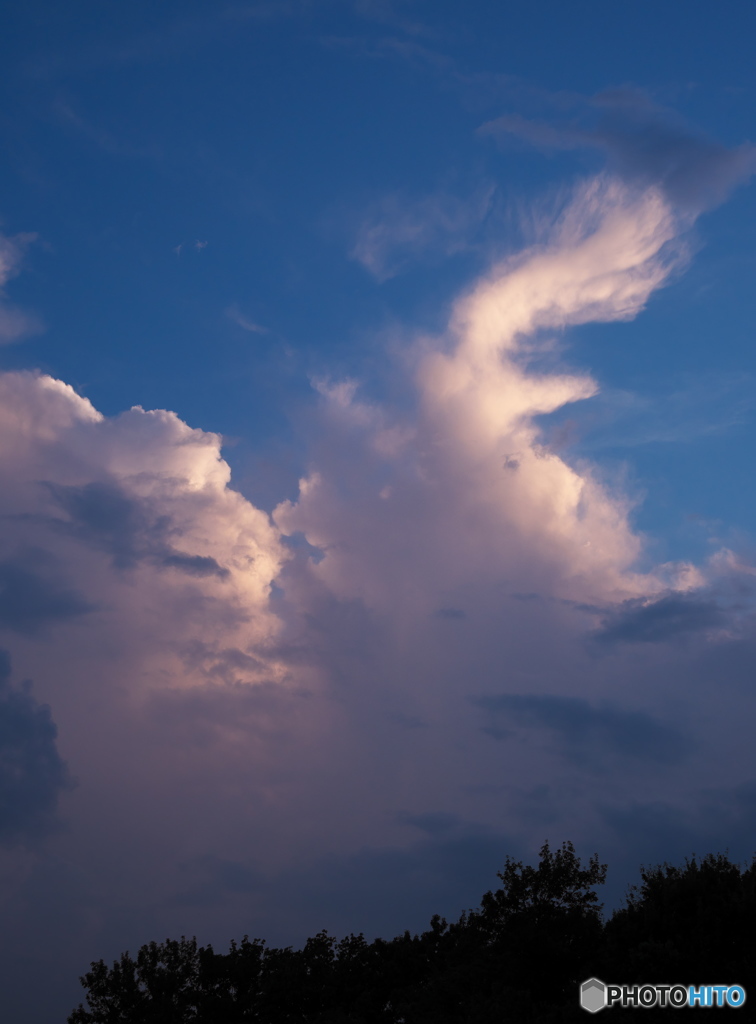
(131, 523)
(467, 491)
(276, 693)
(422, 528)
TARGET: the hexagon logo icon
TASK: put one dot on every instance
(593, 995)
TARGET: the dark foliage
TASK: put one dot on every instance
(520, 956)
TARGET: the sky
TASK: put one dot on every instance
(377, 417)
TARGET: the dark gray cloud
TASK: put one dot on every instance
(644, 143)
(648, 142)
(432, 823)
(212, 874)
(31, 598)
(450, 613)
(671, 616)
(102, 515)
(407, 721)
(586, 735)
(32, 773)
(715, 817)
(192, 565)
(731, 665)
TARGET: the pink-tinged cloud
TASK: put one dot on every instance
(136, 515)
(443, 645)
(467, 492)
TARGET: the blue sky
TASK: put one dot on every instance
(467, 293)
(273, 133)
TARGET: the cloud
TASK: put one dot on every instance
(175, 37)
(263, 712)
(432, 824)
(14, 323)
(649, 143)
(265, 10)
(197, 245)
(31, 597)
(450, 613)
(587, 735)
(32, 774)
(385, 12)
(713, 820)
(446, 872)
(398, 231)
(100, 513)
(683, 414)
(645, 144)
(660, 620)
(132, 517)
(470, 494)
(236, 316)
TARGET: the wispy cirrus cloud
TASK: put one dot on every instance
(398, 232)
(236, 316)
(681, 411)
(15, 323)
(390, 14)
(643, 142)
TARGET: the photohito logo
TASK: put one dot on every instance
(595, 995)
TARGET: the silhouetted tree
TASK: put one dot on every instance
(160, 985)
(527, 948)
(520, 956)
(691, 925)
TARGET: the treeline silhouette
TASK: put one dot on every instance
(520, 957)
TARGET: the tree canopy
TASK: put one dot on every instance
(520, 956)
